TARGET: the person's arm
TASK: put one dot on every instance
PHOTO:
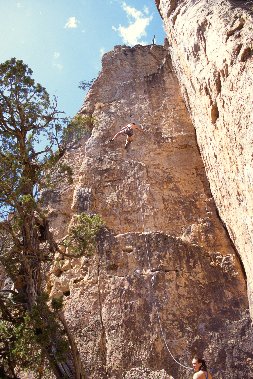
(116, 135)
(137, 127)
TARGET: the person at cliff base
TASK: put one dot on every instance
(127, 130)
(200, 368)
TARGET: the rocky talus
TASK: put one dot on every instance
(166, 281)
(211, 45)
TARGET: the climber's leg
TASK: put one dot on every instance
(129, 139)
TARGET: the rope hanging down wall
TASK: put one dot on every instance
(141, 191)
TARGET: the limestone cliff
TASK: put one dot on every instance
(166, 281)
(211, 45)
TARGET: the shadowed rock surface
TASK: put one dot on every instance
(211, 45)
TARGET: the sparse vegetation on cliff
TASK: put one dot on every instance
(82, 235)
(86, 84)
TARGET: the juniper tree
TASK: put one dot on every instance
(33, 137)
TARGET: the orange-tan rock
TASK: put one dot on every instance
(166, 281)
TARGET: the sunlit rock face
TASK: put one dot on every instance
(165, 281)
(211, 47)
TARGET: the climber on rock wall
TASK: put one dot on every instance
(127, 130)
(199, 366)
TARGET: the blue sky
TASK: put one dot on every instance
(63, 41)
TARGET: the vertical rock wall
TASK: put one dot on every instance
(165, 281)
(211, 44)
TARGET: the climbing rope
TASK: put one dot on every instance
(153, 282)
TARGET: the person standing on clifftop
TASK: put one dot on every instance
(127, 130)
(199, 366)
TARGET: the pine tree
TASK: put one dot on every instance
(33, 137)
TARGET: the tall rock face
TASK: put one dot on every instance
(211, 45)
(165, 282)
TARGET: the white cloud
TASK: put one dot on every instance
(138, 23)
(130, 11)
(71, 23)
(56, 63)
(101, 51)
(59, 66)
(56, 55)
(145, 9)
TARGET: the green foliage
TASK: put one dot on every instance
(57, 303)
(45, 326)
(23, 338)
(18, 345)
(33, 134)
(78, 127)
(81, 238)
(86, 84)
(28, 201)
(33, 137)
(26, 118)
